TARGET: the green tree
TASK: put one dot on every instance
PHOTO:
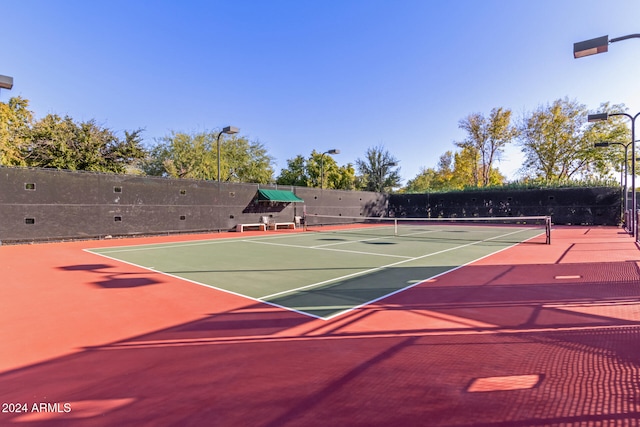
(434, 179)
(379, 170)
(181, 155)
(486, 139)
(345, 179)
(244, 161)
(317, 170)
(322, 170)
(295, 172)
(130, 153)
(195, 156)
(423, 182)
(614, 130)
(558, 143)
(465, 168)
(455, 171)
(15, 122)
(56, 142)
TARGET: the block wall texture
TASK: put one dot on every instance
(48, 204)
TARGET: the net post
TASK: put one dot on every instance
(395, 227)
(547, 226)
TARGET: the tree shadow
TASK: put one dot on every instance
(113, 279)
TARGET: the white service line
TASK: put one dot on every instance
(318, 248)
(374, 238)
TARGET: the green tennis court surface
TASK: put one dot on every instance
(323, 274)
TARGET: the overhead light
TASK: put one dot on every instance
(230, 130)
(591, 47)
(6, 82)
(597, 117)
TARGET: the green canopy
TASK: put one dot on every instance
(277, 196)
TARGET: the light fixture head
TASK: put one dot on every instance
(230, 130)
(333, 151)
(6, 82)
(599, 117)
(591, 47)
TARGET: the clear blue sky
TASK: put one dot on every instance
(298, 75)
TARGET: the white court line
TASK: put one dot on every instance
(373, 238)
(346, 242)
(154, 246)
(327, 249)
(273, 304)
(371, 270)
(231, 239)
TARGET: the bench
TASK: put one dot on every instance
(288, 225)
(260, 226)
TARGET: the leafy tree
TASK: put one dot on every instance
(322, 170)
(15, 122)
(318, 167)
(558, 143)
(455, 171)
(614, 130)
(379, 171)
(434, 179)
(181, 155)
(345, 179)
(486, 139)
(295, 173)
(424, 182)
(244, 161)
(465, 167)
(195, 156)
(130, 153)
(56, 142)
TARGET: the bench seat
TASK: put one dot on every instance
(276, 225)
(261, 227)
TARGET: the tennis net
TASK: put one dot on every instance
(416, 227)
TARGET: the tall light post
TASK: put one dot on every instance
(332, 151)
(382, 170)
(623, 182)
(229, 130)
(634, 208)
(601, 45)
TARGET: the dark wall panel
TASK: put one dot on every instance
(593, 206)
(45, 204)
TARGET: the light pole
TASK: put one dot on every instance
(625, 188)
(229, 130)
(382, 170)
(6, 82)
(600, 45)
(605, 116)
(332, 151)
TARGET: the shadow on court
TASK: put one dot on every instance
(496, 343)
(110, 280)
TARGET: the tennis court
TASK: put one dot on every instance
(329, 270)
